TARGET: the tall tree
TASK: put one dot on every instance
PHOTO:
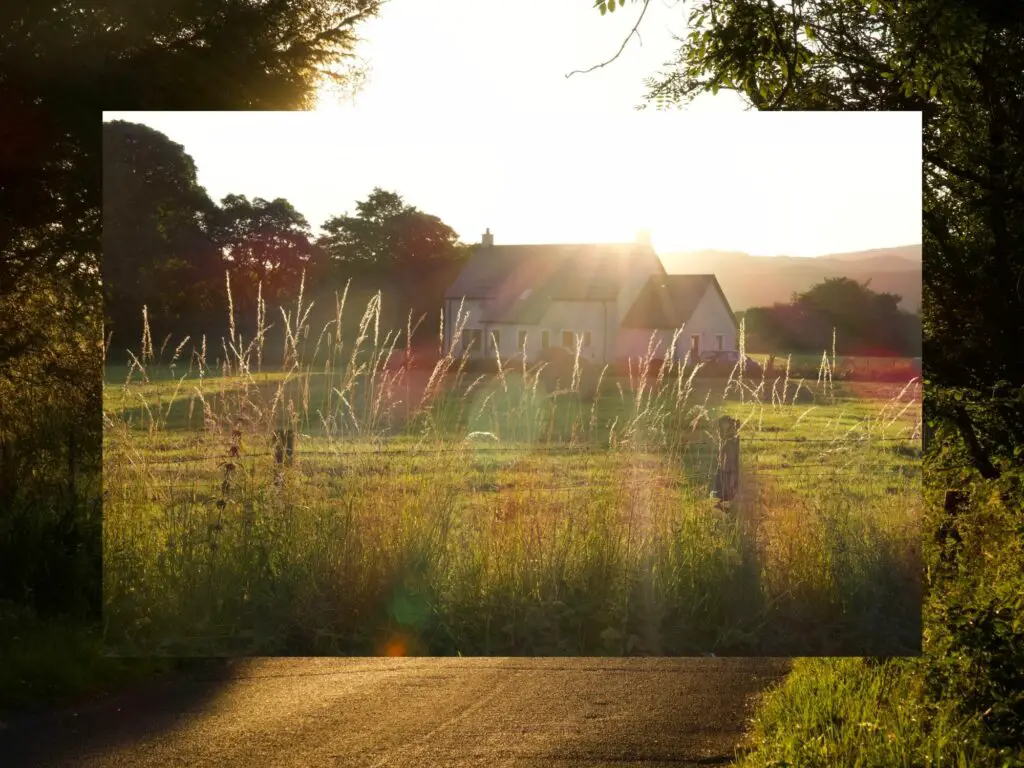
(865, 322)
(265, 243)
(392, 241)
(386, 232)
(156, 251)
(61, 64)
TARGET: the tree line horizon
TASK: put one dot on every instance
(169, 247)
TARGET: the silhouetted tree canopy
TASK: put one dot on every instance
(264, 242)
(865, 322)
(167, 247)
(398, 244)
(61, 65)
(387, 233)
(156, 249)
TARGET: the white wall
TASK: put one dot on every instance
(508, 339)
(710, 318)
(575, 316)
(474, 308)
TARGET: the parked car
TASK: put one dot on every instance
(724, 361)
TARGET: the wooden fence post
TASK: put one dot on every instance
(727, 478)
(284, 445)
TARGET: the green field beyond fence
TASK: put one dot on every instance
(438, 512)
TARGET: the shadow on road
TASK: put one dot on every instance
(103, 723)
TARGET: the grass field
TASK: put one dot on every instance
(440, 512)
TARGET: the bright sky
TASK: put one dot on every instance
(467, 114)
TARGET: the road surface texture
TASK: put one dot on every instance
(371, 713)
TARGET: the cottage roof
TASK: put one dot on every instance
(668, 301)
(521, 281)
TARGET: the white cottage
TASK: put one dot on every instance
(610, 297)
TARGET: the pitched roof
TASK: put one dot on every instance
(521, 281)
(670, 300)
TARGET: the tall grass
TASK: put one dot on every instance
(858, 712)
(475, 510)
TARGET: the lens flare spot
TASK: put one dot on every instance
(396, 647)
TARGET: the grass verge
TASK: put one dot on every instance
(959, 704)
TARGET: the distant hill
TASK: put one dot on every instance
(880, 255)
(758, 281)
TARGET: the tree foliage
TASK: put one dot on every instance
(267, 245)
(391, 241)
(61, 65)
(386, 232)
(156, 250)
(50, 511)
(865, 322)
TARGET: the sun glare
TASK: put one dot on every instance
(541, 158)
(554, 179)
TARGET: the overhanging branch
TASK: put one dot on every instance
(621, 47)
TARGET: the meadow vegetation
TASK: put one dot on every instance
(443, 511)
(959, 704)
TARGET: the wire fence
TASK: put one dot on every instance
(559, 449)
(691, 481)
(675, 474)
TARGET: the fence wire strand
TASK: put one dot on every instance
(541, 448)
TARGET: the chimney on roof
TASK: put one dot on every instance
(643, 237)
(488, 239)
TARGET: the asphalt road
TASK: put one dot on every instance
(371, 713)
